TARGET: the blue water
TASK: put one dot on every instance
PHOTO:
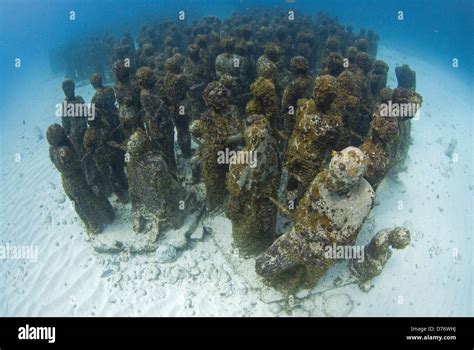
(437, 29)
(434, 30)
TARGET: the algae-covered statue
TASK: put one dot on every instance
(378, 77)
(128, 97)
(196, 71)
(234, 72)
(74, 125)
(266, 64)
(314, 137)
(264, 101)
(228, 63)
(389, 137)
(331, 211)
(158, 122)
(175, 88)
(406, 77)
(219, 128)
(93, 209)
(300, 87)
(377, 252)
(269, 66)
(159, 202)
(251, 181)
(99, 143)
(104, 102)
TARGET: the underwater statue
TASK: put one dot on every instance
(234, 72)
(196, 71)
(158, 123)
(228, 63)
(266, 64)
(254, 178)
(377, 252)
(335, 65)
(146, 57)
(159, 202)
(359, 123)
(125, 50)
(378, 146)
(264, 101)
(386, 145)
(347, 103)
(410, 103)
(314, 137)
(378, 77)
(175, 89)
(93, 209)
(306, 45)
(109, 159)
(332, 211)
(74, 125)
(202, 40)
(300, 87)
(104, 102)
(269, 66)
(219, 128)
(128, 97)
(406, 77)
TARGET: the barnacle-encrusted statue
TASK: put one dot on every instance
(146, 57)
(383, 133)
(378, 77)
(93, 209)
(125, 50)
(406, 77)
(266, 64)
(314, 136)
(99, 143)
(410, 103)
(158, 122)
(377, 252)
(251, 181)
(264, 101)
(74, 125)
(332, 211)
(175, 88)
(358, 86)
(159, 202)
(233, 72)
(127, 93)
(228, 63)
(386, 145)
(269, 67)
(300, 87)
(104, 102)
(219, 128)
(196, 71)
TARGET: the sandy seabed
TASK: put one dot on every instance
(431, 277)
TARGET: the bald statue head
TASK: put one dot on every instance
(68, 87)
(56, 135)
(346, 169)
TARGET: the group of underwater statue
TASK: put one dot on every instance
(302, 95)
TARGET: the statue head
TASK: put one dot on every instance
(346, 169)
(68, 87)
(96, 81)
(56, 135)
